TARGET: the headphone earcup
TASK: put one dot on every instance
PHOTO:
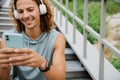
(16, 14)
(43, 9)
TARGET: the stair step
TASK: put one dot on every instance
(74, 70)
(69, 54)
(6, 26)
(5, 9)
(5, 20)
(4, 14)
(77, 66)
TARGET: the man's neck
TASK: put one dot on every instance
(33, 33)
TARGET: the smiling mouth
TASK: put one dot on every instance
(28, 22)
(27, 19)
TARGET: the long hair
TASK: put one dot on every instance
(46, 20)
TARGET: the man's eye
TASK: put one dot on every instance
(20, 12)
(30, 10)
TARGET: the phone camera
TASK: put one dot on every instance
(7, 37)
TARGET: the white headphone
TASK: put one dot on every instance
(42, 8)
(16, 14)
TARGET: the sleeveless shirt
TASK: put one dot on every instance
(43, 45)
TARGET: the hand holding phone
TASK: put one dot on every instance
(13, 40)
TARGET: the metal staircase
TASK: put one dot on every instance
(5, 22)
(75, 70)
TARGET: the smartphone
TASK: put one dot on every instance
(13, 40)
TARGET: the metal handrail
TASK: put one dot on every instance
(100, 37)
(89, 29)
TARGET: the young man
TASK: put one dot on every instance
(42, 57)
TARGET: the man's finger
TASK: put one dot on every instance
(22, 50)
(0, 43)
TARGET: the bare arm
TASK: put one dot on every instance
(28, 57)
(58, 68)
(4, 68)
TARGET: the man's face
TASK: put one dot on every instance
(29, 13)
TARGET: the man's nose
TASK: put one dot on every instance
(25, 14)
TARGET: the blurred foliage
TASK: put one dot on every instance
(116, 62)
(94, 14)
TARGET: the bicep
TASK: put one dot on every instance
(58, 56)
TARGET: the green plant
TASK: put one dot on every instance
(112, 7)
(94, 14)
(116, 62)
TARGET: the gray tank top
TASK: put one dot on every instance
(44, 46)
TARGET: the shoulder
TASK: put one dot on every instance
(56, 33)
(57, 37)
(60, 36)
(60, 40)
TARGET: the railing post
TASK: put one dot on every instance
(66, 30)
(61, 1)
(56, 11)
(85, 31)
(74, 22)
(102, 35)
